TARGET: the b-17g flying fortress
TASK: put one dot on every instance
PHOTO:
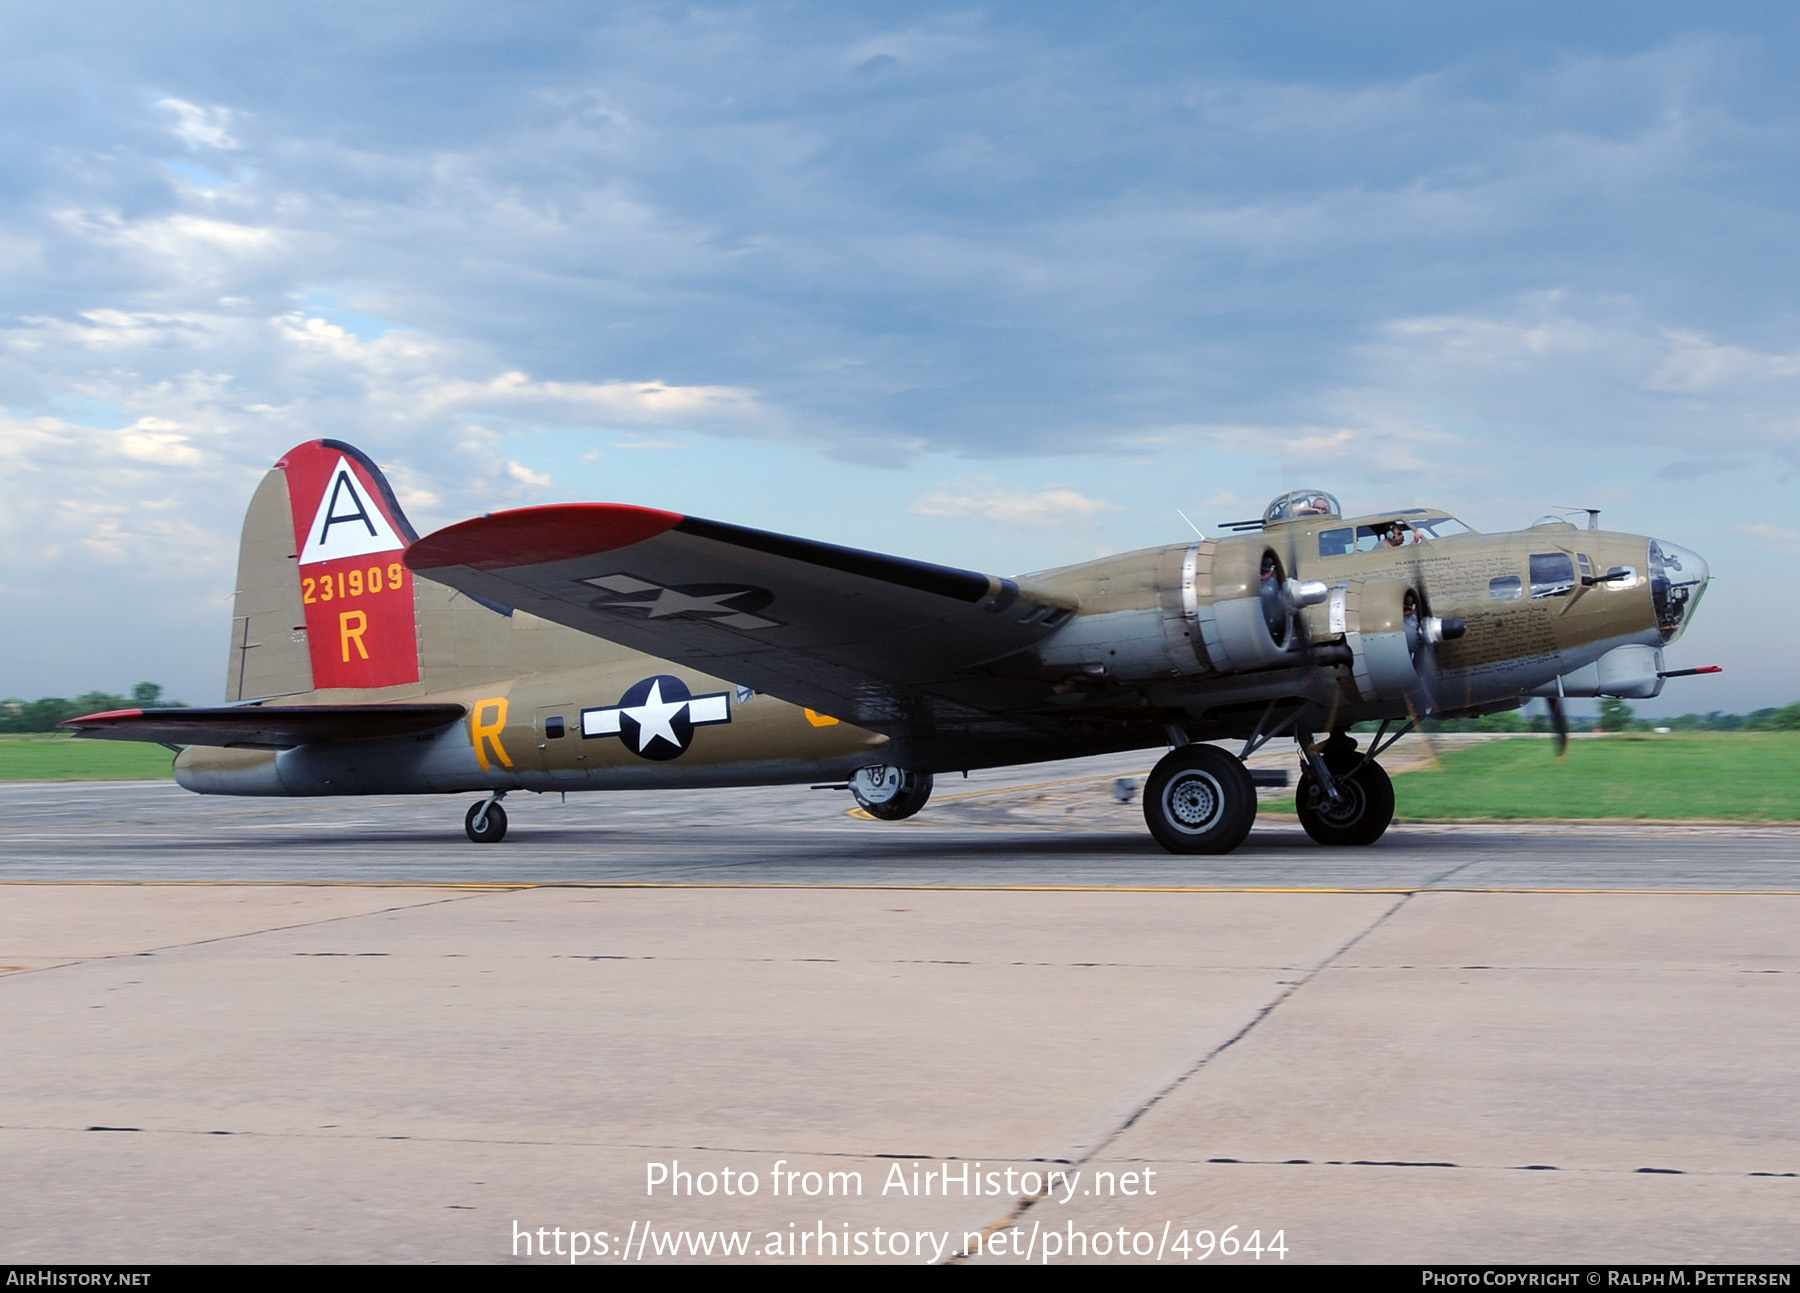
(721, 685)
(608, 646)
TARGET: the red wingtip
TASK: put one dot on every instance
(101, 718)
(533, 535)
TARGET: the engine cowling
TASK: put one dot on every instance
(1385, 630)
(1247, 622)
(1223, 606)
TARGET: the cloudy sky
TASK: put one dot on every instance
(997, 285)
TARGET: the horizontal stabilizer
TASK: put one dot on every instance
(276, 727)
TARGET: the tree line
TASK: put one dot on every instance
(1617, 716)
(44, 714)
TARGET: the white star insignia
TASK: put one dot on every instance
(655, 718)
(708, 608)
(656, 715)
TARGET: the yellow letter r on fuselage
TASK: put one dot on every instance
(482, 733)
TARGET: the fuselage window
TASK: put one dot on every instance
(1337, 543)
(1506, 588)
(1552, 574)
(553, 728)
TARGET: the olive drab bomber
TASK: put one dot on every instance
(604, 646)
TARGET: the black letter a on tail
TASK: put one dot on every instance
(341, 482)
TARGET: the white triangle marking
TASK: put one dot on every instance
(349, 522)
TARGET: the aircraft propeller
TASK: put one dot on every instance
(1559, 722)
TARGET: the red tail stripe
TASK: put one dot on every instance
(534, 535)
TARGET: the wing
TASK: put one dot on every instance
(276, 727)
(883, 642)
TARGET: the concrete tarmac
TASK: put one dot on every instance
(335, 1030)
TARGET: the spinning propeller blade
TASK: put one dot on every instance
(1560, 722)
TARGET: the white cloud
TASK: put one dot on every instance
(1694, 363)
(415, 379)
(1048, 508)
(1774, 535)
(142, 495)
(1572, 371)
(626, 401)
(24, 442)
(525, 476)
(181, 253)
(157, 440)
(198, 126)
(1233, 506)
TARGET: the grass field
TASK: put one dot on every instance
(1737, 776)
(58, 757)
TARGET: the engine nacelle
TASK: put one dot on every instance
(1223, 606)
(1247, 622)
(1384, 630)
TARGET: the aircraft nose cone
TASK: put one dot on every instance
(1677, 579)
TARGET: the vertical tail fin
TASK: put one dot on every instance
(323, 597)
(325, 603)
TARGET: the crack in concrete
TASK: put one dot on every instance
(1026, 1203)
(248, 933)
(887, 1155)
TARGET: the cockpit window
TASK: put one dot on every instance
(1342, 540)
(1440, 527)
(1301, 505)
(1337, 543)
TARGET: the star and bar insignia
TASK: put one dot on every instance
(656, 717)
(727, 604)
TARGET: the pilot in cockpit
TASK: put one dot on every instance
(1316, 505)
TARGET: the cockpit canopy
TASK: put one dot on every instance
(1301, 505)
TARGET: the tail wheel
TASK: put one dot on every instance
(486, 823)
(890, 794)
(1364, 807)
(1199, 799)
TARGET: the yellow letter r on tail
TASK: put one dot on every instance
(351, 627)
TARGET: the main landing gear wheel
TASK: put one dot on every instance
(486, 822)
(888, 793)
(1364, 807)
(1199, 799)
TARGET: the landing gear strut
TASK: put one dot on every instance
(1199, 799)
(1363, 805)
(486, 822)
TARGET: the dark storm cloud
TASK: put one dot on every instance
(1001, 229)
